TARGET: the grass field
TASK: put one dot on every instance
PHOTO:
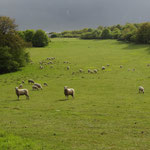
(107, 113)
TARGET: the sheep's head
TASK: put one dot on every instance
(65, 87)
(16, 88)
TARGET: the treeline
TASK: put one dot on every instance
(138, 33)
(34, 38)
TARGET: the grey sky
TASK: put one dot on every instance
(60, 15)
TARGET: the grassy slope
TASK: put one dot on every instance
(107, 113)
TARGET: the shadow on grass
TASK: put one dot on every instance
(63, 99)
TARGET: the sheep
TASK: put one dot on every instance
(38, 85)
(41, 67)
(103, 68)
(34, 87)
(89, 70)
(22, 92)
(48, 58)
(69, 91)
(30, 81)
(45, 84)
(108, 65)
(121, 66)
(23, 81)
(20, 86)
(148, 65)
(133, 69)
(141, 89)
(80, 70)
(95, 70)
(68, 67)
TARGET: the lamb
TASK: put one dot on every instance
(38, 85)
(34, 87)
(20, 86)
(103, 68)
(141, 89)
(69, 91)
(22, 92)
(45, 84)
(30, 81)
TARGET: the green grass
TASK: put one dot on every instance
(107, 112)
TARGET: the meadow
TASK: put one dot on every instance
(107, 112)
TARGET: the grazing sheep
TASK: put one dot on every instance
(48, 58)
(103, 68)
(80, 70)
(23, 81)
(30, 81)
(95, 70)
(69, 91)
(108, 65)
(148, 65)
(141, 89)
(22, 92)
(45, 84)
(41, 67)
(133, 69)
(34, 87)
(68, 67)
(38, 85)
(89, 70)
(20, 86)
(121, 66)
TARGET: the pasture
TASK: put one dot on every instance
(107, 111)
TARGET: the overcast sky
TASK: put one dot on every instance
(60, 15)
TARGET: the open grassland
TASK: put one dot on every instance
(107, 112)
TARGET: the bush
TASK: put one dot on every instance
(40, 39)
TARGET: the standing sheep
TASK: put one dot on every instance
(22, 92)
(95, 70)
(69, 91)
(45, 84)
(121, 66)
(80, 70)
(141, 89)
(34, 87)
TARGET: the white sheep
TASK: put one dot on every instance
(103, 68)
(89, 70)
(68, 67)
(30, 81)
(41, 67)
(34, 87)
(121, 66)
(108, 65)
(95, 70)
(141, 89)
(45, 84)
(22, 92)
(69, 91)
(20, 86)
(38, 85)
(80, 70)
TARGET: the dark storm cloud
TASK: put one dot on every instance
(59, 15)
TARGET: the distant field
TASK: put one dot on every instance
(107, 112)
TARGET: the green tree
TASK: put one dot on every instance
(40, 39)
(106, 34)
(143, 33)
(29, 35)
(12, 46)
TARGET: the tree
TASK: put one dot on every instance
(143, 33)
(40, 39)
(29, 35)
(12, 46)
(106, 34)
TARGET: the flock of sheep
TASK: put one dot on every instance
(67, 91)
